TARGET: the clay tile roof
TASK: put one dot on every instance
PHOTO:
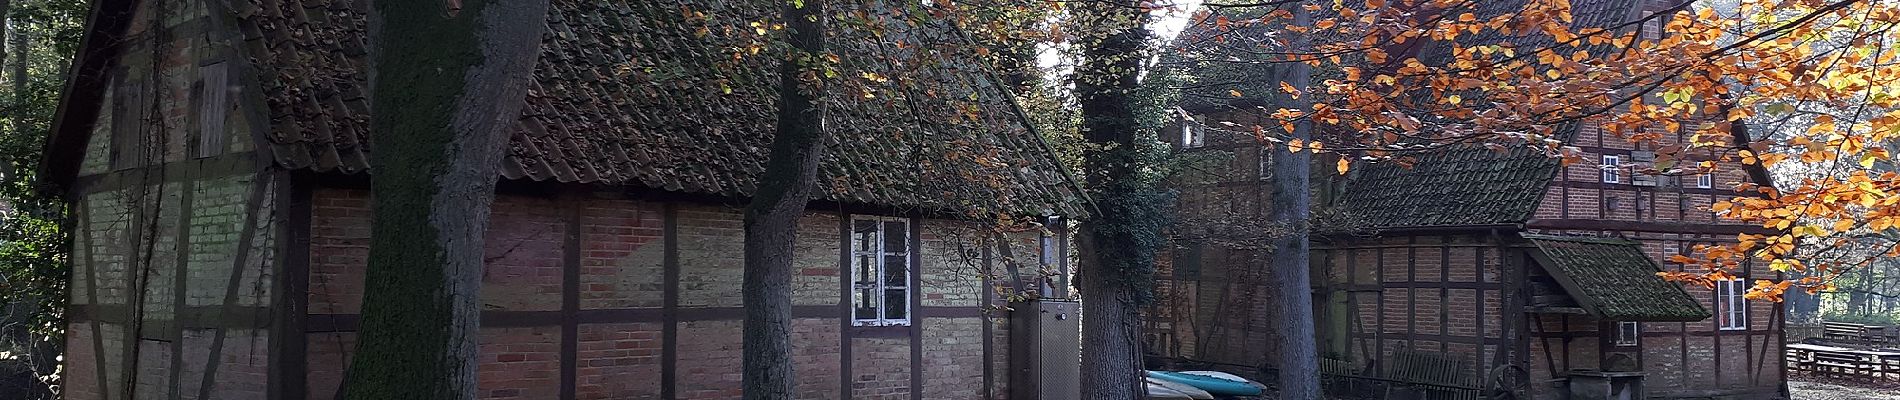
(1612, 279)
(1470, 185)
(651, 93)
(1456, 186)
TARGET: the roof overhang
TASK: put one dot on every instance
(84, 91)
(1612, 279)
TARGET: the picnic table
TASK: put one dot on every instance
(1842, 360)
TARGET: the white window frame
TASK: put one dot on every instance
(1705, 181)
(1731, 304)
(1266, 163)
(1628, 333)
(1610, 166)
(879, 255)
(1193, 135)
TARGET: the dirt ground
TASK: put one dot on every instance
(1810, 387)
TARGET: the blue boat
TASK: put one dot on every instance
(1214, 385)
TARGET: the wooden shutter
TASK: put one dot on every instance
(212, 109)
(128, 123)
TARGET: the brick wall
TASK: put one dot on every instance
(619, 361)
(880, 368)
(953, 359)
(524, 264)
(711, 254)
(82, 378)
(709, 351)
(519, 363)
(620, 323)
(815, 357)
(622, 259)
(329, 354)
(242, 363)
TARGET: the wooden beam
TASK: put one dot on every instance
(917, 319)
(844, 305)
(669, 301)
(180, 270)
(1642, 226)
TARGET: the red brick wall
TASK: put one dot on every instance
(619, 361)
(519, 363)
(328, 356)
(620, 335)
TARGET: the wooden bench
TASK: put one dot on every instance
(1854, 333)
(1430, 376)
(1835, 362)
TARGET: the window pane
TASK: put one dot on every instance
(864, 299)
(1049, 250)
(895, 303)
(864, 235)
(896, 238)
(895, 271)
(866, 271)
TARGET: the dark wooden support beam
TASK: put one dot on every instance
(180, 270)
(1679, 227)
(289, 341)
(844, 305)
(917, 304)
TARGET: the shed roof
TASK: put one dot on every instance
(1613, 279)
(662, 94)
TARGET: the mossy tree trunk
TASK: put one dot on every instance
(771, 220)
(1117, 244)
(447, 83)
(1290, 263)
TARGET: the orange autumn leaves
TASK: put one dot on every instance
(1804, 90)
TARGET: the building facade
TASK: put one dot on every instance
(1512, 270)
(216, 158)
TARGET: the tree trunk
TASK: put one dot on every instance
(1803, 308)
(447, 84)
(7, 24)
(1118, 244)
(771, 220)
(20, 61)
(1291, 270)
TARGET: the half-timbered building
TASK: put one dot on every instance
(1471, 270)
(215, 154)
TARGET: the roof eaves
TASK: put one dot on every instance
(65, 145)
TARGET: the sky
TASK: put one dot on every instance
(1165, 24)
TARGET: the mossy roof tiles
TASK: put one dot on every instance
(660, 94)
(1613, 279)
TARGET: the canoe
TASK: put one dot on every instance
(1165, 389)
(1227, 376)
(1162, 393)
(1214, 385)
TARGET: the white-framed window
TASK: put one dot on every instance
(1731, 308)
(1193, 134)
(1628, 333)
(1266, 163)
(1611, 172)
(1704, 181)
(880, 271)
